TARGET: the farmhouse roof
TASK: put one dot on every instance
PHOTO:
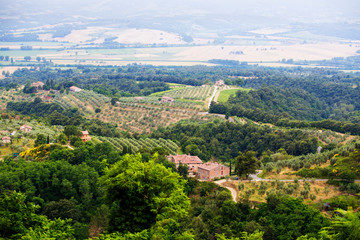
(186, 159)
(37, 84)
(210, 166)
(167, 98)
(25, 126)
(85, 132)
(75, 88)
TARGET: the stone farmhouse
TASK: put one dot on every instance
(192, 161)
(75, 89)
(211, 170)
(6, 139)
(167, 99)
(38, 84)
(26, 128)
(219, 83)
(85, 137)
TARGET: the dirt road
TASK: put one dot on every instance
(232, 190)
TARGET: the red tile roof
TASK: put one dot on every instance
(185, 159)
(210, 165)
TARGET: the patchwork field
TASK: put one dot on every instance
(133, 115)
(262, 53)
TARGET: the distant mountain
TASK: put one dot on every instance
(191, 17)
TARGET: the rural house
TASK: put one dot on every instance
(191, 161)
(26, 128)
(219, 83)
(85, 136)
(167, 99)
(6, 139)
(75, 89)
(38, 84)
(47, 98)
(211, 170)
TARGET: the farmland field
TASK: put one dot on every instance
(132, 115)
(225, 94)
(263, 53)
(134, 145)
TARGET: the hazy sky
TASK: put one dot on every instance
(289, 9)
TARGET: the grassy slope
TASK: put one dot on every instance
(225, 94)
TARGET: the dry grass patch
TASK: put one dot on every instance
(258, 191)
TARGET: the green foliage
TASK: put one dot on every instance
(296, 103)
(289, 218)
(56, 229)
(345, 168)
(246, 163)
(75, 141)
(344, 225)
(152, 193)
(16, 216)
(62, 138)
(224, 140)
(71, 130)
(43, 182)
(40, 139)
(19, 221)
(36, 107)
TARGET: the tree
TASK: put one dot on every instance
(62, 209)
(62, 138)
(114, 100)
(246, 164)
(27, 58)
(71, 130)
(238, 81)
(40, 139)
(97, 110)
(38, 59)
(75, 141)
(153, 195)
(183, 170)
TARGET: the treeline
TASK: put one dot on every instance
(340, 91)
(297, 103)
(224, 140)
(283, 119)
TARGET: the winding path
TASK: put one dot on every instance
(232, 190)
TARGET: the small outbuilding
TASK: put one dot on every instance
(85, 136)
(6, 139)
(26, 128)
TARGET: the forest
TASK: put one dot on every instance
(294, 123)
